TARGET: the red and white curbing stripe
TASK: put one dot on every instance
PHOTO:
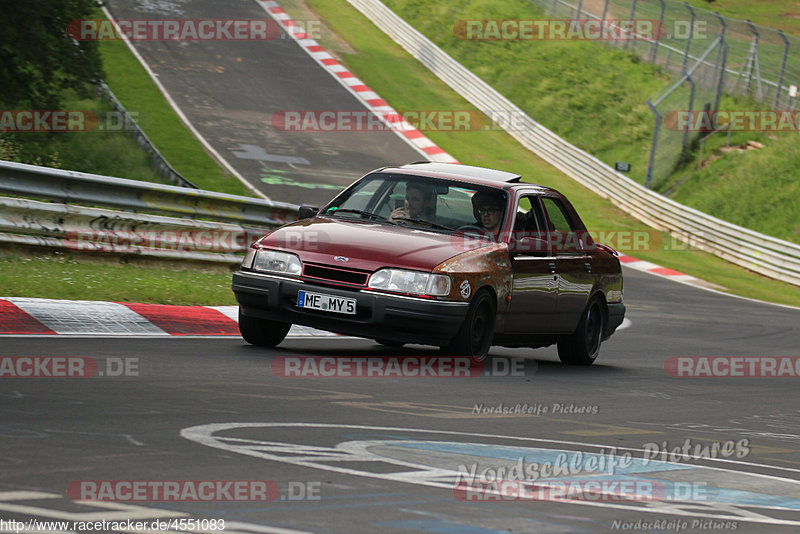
(665, 272)
(652, 268)
(359, 89)
(28, 316)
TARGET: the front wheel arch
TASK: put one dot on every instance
(474, 337)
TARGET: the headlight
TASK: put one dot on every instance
(277, 262)
(415, 282)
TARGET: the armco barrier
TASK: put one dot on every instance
(81, 229)
(203, 226)
(766, 255)
(91, 189)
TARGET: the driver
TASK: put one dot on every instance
(418, 203)
(488, 209)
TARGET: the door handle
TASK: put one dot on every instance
(552, 267)
(588, 267)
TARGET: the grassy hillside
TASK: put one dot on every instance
(594, 96)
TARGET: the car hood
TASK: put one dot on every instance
(366, 245)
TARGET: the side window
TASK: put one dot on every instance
(559, 220)
(528, 220)
(564, 237)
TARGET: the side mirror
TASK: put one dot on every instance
(531, 246)
(306, 212)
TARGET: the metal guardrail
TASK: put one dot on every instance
(96, 190)
(763, 254)
(202, 225)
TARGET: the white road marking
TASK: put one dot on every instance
(310, 456)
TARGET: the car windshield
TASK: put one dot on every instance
(407, 200)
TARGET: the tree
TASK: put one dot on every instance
(38, 59)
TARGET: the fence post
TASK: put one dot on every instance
(553, 9)
(754, 61)
(579, 10)
(605, 10)
(691, 109)
(689, 40)
(783, 69)
(723, 63)
(633, 14)
(659, 32)
(654, 144)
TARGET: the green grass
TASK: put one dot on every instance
(779, 14)
(136, 91)
(64, 275)
(112, 153)
(385, 67)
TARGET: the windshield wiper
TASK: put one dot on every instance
(423, 221)
(368, 214)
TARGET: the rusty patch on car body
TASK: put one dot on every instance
(484, 266)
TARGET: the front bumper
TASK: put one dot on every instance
(378, 315)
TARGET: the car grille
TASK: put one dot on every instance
(331, 274)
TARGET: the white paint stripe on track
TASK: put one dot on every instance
(184, 119)
(86, 317)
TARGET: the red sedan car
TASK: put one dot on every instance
(441, 254)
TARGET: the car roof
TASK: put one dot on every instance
(477, 175)
(463, 171)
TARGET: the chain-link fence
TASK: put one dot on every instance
(709, 54)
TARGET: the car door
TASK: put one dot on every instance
(535, 283)
(573, 264)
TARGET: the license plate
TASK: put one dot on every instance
(319, 301)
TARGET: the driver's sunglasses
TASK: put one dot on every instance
(488, 211)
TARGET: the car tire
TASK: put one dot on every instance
(583, 346)
(474, 338)
(389, 343)
(262, 332)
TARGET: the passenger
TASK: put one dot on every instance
(418, 203)
(488, 209)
